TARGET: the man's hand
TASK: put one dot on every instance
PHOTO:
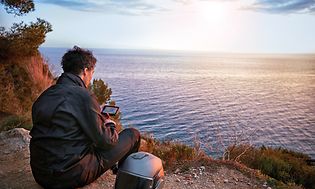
(112, 125)
(108, 122)
(106, 115)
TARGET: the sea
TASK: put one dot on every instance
(211, 100)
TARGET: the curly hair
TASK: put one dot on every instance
(75, 60)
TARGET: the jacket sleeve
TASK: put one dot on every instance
(93, 123)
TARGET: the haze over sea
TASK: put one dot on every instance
(211, 98)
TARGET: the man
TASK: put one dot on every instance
(72, 143)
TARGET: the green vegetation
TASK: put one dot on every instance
(102, 92)
(22, 80)
(18, 7)
(281, 164)
(284, 169)
(174, 154)
(23, 40)
(23, 72)
(15, 121)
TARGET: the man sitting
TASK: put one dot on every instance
(72, 143)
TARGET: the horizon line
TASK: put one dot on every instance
(190, 51)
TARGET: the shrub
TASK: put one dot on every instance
(23, 40)
(101, 90)
(22, 80)
(20, 85)
(15, 121)
(18, 7)
(174, 154)
(282, 164)
(103, 93)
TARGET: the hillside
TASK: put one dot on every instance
(22, 80)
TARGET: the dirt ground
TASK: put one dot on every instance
(15, 171)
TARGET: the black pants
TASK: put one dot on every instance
(92, 165)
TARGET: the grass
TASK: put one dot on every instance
(174, 155)
(281, 164)
(281, 168)
(14, 121)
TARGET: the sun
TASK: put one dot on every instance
(214, 12)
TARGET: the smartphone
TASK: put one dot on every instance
(111, 110)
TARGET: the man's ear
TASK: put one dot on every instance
(84, 71)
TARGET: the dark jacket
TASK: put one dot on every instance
(67, 125)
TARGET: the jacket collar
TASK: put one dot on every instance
(70, 79)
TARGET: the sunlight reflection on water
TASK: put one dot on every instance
(265, 100)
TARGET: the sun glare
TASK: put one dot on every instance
(214, 12)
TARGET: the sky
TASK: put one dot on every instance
(231, 26)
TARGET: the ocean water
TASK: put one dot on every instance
(212, 99)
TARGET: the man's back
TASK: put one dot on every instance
(57, 134)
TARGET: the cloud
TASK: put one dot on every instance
(148, 7)
(192, 1)
(125, 7)
(284, 6)
(270, 6)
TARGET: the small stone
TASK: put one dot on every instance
(177, 180)
(236, 179)
(188, 177)
(248, 184)
(225, 180)
(202, 168)
(269, 188)
(265, 184)
(195, 175)
(176, 171)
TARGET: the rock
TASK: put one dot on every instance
(14, 160)
(225, 180)
(265, 184)
(196, 176)
(177, 171)
(14, 140)
(202, 168)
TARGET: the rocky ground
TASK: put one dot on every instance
(15, 171)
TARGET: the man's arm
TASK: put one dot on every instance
(94, 124)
